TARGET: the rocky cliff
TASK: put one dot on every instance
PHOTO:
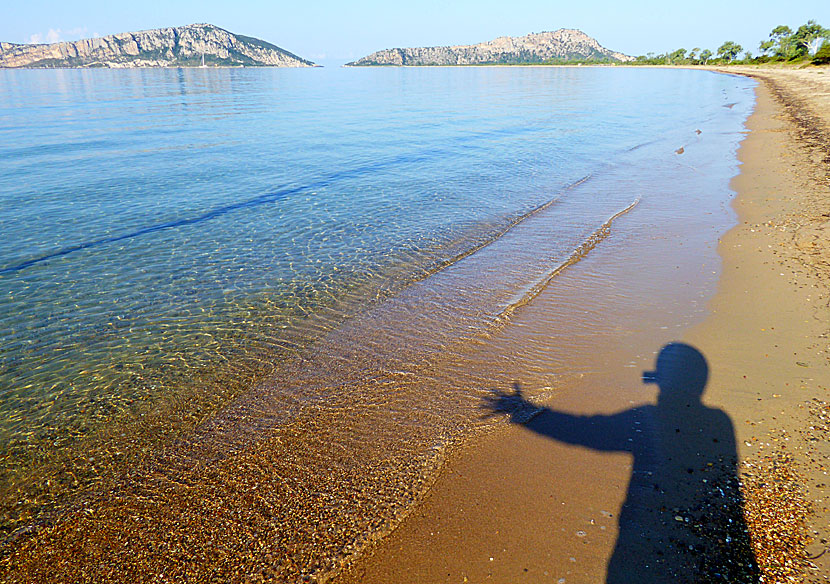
(182, 46)
(542, 47)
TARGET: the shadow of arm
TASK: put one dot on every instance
(605, 433)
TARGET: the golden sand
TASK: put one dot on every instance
(517, 507)
(513, 505)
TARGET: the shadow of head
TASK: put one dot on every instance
(681, 373)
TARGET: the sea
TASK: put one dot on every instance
(289, 269)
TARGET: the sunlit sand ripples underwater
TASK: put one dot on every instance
(197, 259)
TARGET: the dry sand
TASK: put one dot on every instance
(519, 507)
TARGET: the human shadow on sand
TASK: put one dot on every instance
(682, 520)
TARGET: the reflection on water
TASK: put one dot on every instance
(179, 237)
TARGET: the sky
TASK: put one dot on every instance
(331, 31)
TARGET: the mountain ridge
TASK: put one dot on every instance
(535, 48)
(160, 47)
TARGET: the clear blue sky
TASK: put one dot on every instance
(338, 30)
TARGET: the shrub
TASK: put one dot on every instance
(822, 56)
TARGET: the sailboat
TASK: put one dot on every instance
(203, 66)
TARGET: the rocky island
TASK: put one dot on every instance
(560, 46)
(184, 46)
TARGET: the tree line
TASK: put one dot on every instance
(811, 42)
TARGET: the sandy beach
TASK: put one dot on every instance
(650, 413)
(524, 505)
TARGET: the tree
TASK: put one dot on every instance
(729, 50)
(822, 56)
(705, 56)
(781, 36)
(678, 56)
(747, 55)
(766, 47)
(693, 53)
(808, 37)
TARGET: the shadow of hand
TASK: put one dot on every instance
(514, 403)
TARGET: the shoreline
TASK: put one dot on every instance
(769, 355)
(492, 512)
(173, 504)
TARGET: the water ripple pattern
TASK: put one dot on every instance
(172, 238)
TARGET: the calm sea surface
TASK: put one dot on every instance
(173, 239)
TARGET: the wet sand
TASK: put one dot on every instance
(219, 506)
(518, 506)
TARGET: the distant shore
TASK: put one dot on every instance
(491, 513)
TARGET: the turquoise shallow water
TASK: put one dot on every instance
(178, 233)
